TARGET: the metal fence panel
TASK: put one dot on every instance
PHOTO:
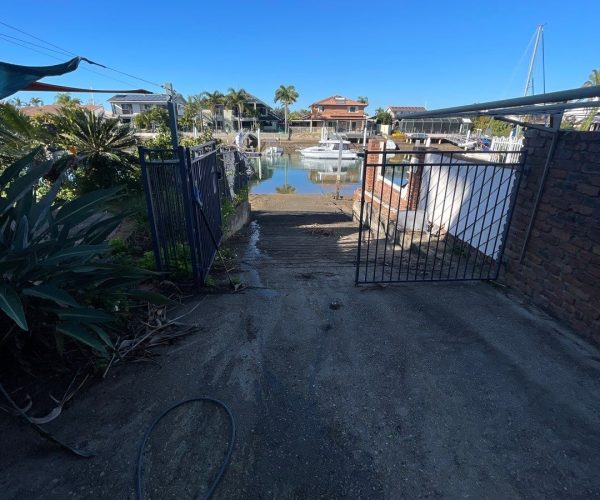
(434, 215)
(184, 209)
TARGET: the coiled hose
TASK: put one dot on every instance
(139, 478)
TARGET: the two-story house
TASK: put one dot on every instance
(338, 113)
(126, 106)
(255, 114)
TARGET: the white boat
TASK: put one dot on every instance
(330, 150)
(273, 151)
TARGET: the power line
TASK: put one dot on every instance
(68, 52)
(4, 35)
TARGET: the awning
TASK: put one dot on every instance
(14, 78)
(47, 87)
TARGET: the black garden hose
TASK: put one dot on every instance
(139, 478)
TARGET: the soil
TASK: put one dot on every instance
(417, 390)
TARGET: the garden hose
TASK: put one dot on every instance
(139, 479)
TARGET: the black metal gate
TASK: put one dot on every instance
(184, 208)
(435, 215)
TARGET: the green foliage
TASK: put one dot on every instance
(101, 148)
(19, 134)
(57, 278)
(65, 99)
(492, 127)
(382, 117)
(286, 95)
(157, 116)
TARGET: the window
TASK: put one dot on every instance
(320, 109)
(127, 109)
(352, 109)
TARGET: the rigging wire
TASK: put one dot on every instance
(62, 60)
(68, 52)
(518, 65)
(543, 64)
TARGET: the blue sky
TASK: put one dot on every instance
(436, 53)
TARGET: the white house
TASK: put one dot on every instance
(126, 106)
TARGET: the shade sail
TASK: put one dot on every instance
(47, 87)
(14, 78)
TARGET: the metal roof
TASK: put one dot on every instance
(139, 98)
(551, 102)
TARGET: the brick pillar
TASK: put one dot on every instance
(372, 159)
(414, 182)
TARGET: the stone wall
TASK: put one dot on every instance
(560, 271)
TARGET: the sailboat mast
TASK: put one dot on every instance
(540, 30)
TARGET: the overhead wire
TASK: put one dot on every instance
(68, 52)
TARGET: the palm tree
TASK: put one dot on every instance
(593, 80)
(101, 148)
(236, 100)
(286, 95)
(36, 101)
(19, 134)
(363, 99)
(213, 100)
(65, 99)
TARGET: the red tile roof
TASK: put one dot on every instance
(337, 100)
(53, 109)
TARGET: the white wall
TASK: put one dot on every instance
(469, 201)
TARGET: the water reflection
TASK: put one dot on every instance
(293, 174)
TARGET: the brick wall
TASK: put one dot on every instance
(382, 194)
(561, 268)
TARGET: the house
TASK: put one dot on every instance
(54, 109)
(398, 111)
(256, 113)
(126, 106)
(336, 112)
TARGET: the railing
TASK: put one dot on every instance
(433, 216)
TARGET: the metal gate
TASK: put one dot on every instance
(435, 215)
(184, 209)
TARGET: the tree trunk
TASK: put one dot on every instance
(286, 121)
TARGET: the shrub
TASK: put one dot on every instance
(57, 280)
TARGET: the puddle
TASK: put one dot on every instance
(253, 253)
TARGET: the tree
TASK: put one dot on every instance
(101, 150)
(65, 99)
(19, 134)
(157, 116)
(236, 99)
(492, 127)
(36, 101)
(213, 101)
(382, 117)
(363, 99)
(593, 80)
(286, 96)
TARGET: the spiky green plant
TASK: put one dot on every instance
(58, 284)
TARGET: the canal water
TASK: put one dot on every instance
(290, 173)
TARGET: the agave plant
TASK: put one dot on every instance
(57, 281)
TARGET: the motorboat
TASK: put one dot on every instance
(329, 149)
(273, 151)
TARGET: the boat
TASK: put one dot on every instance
(273, 151)
(329, 149)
